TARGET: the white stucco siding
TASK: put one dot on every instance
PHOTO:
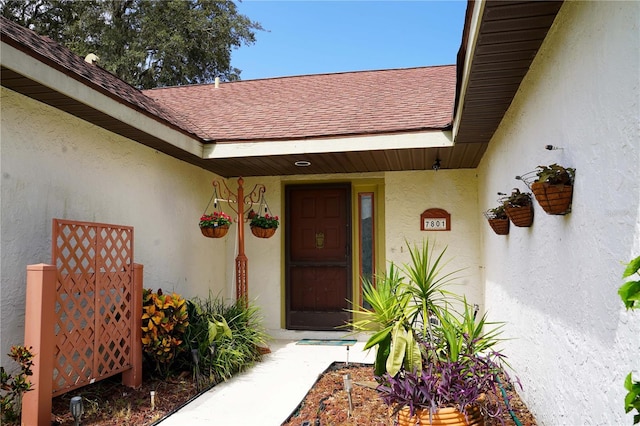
(557, 281)
(408, 194)
(54, 165)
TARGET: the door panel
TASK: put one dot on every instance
(318, 279)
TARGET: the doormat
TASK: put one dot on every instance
(327, 342)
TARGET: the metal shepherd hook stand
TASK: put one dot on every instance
(228, 196)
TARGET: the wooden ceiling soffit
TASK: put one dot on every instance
(509, 36)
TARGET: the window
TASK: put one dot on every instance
(366, 229)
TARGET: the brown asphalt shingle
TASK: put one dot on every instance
(342, 104)
(323, 105)
(61, 58)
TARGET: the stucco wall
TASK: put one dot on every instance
(408, 194)
(557, 281)
(57, 166)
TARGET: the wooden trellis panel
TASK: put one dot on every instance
(93, 308)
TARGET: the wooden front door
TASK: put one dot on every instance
(318, 256)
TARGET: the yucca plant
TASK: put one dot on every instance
(401, 308)
(164, 321)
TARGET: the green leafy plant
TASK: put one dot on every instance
(630, 291)
(243, 350)
(555, 175)
(496, 213)
(630, 294)
(402, 308)
(214, 220)
(12, 387)
(221, 339)
(517, 199)
(267, 221)
(164, 321)
(205, 330)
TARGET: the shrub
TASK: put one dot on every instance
(164, 321)
(226, 339)
(13, 387)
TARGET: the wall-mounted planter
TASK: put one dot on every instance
(519, 208)
(552, 186)
(520, 216)
(499, 226)
(554, 199)
(498, 220)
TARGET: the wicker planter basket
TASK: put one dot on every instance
(263, 232)
(217, 232)
(444, 416)
(554, 199)
(520, 216)
(499, 226)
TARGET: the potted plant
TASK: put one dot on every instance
(498, 219)
(432, 364)
(552, 187)
(460, 368)
(215, 225)
(519, 208)
(263, 226)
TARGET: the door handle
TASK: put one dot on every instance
(319, 240)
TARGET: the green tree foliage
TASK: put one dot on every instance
(147, 43)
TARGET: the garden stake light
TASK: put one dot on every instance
(76, 408)
(348, 387)
(153, 400)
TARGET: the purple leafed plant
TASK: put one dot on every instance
(444, 383)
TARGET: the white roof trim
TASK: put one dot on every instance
(424, 139)
(474, 29)
(40, 72)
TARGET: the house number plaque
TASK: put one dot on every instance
(435, 220)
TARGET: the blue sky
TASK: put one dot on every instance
(314, 37)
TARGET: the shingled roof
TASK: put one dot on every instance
(323, 105)
(367, 121)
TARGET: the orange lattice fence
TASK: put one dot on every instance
(93, 307)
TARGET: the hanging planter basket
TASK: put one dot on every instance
(444, 416)
(263, 232)
(217, 232)
(554, 199)
(263, 223)
(520, 216)
(215, 224)
(499, 226)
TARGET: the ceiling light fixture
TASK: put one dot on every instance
(302, 163)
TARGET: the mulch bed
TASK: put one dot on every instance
(327, 402)
(109, 403)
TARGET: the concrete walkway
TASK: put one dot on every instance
(269, 392)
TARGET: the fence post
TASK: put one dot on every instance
(39, 334)
(133, 376)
